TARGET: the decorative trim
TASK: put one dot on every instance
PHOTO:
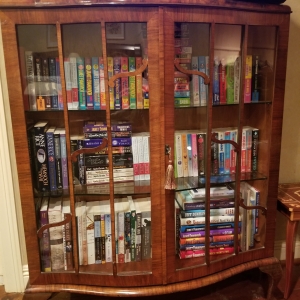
(9, 217)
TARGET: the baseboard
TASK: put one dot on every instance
(280, 250)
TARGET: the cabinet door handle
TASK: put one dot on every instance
(47, 226)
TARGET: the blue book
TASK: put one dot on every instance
(216, 85)
(53, 83)
(51, 158)
(96, 82)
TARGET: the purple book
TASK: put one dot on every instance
(212, 232)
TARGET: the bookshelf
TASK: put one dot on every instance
(111, 145)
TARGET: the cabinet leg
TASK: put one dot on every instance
(290, 251)
(274, 273)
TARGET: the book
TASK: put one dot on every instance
(74, 82)
(230, 82)
(45, 240)
(121, 236)
(40, 100)
(63, 157)
(68, 81)
(41, 155)
(89, 97)
(212, 232)
(132, 228)
(58, 162)
(139, 84)
(58, 85)
(221, 152)
(146, 230)
(102, 238)
(220, 191)
(108, 238)
(195, 83)
(185, 162)
(81, 82)
(67, 237)
(96, 81)
(224, 211)
(56, 234)
(201, 138)
(202, 220)
(97, 236)
(216, 81)
(118, 87)
(30, 76)
(53, 82)
(211, 245)
(80, 211)
(125, 83)
(255, 79)
(131, 83)
(237, 79)
(222, 81)
(102, 84)
(254, 149)
(197, 253)
(51, 158)
(248, 79)
(194, 155)
(127, 236)
(215, 156)
(110, 72)
(178, 156)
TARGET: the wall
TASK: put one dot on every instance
(289, 166)
(290, 147)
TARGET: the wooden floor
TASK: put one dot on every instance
(249, 285)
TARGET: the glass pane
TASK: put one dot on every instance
(191, 99)
(43, 105)
(130, 105)
(86, 104)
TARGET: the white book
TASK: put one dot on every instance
(141, 157)
(74, 82)
(92, 208)
(135, 155)
(202, 220)
(56, 234)
(146, 153)
(108, 237)
(215, 192)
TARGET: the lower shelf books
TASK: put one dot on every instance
(197, 253)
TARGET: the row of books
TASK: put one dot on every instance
(190, 152)
(130, 154)
(56, 244)
(48, 154)
(132, 230)
(85, 83)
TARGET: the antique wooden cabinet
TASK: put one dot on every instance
(174, 94)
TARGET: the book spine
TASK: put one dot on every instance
(88, 83)
(97, 236)
(67, 69)
(227, 153)
(127, 234)
(233, 137)
(212, 245)
(248, 79)
(201, 220)
(53, 85)
(243, 151)
(230, 83)
(110, 71)
(118, 87)
(255, 141)
(40, 100)
(138, 237)
(45, 244)
(178, 153)
(216, 81)
(121, 237)
(222, 81)
(96, 82)
(221, 152)
(74, 83)
(90, 236)
(228, 211)
(195, 83)
(189, 154)
(41, 157)
(51, 160)
(81, 83)
(64, 159)
(255, 88)
(29, 65)
(46, 83)
(108, 241)
(135, 155)
(146, 156)
(194, 155)
(102, 84)
(102, 239)
(67, 232)
(198, 253)
(58, 164)
(201, 205)
(248, 149)
(58, 82)
(139, 85)
(141, 158)
(237, 78)
(214, 157)
(185, 163)
(132, 91)
(201, 233)
(201, 153)
(124, 83)
(133, 235)
(146, 235)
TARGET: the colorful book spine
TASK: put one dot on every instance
(40, 100)
(221, 152)
(139, 85)
(102, 84)
(74, 83)
(59, 180)
(213, 212)
(124, 83)
(121, 237)
(102, 239)
(90, 236)
(81, 83)
(201, 153)
(230, 83)
(138, 237)
(88, 83)
(194, 155)
(127, 235)
(214, 156)
(132, 90)
(237, 79)
(146, 156)
(67, 237)
(255, 88)
(216, 80)
(248, 79)
(135, 155)
(255, 141)
(141, 157)
(227, 152)
(212, 245)
(202, 220)
(185, 162)
(178, 155)
(233, 137)
(189, 154)
(96, 82)
(222, 81)
(110, 71)
(51, 158)
(118, 87)
(201, 233)
(198, 253)
(68, 80)
(97, 236)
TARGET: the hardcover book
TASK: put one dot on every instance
(53, 82)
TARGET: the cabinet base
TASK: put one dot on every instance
(270, 266)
